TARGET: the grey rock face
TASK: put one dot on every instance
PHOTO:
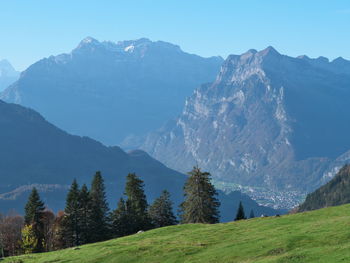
(8, 74)
(108, 90)
(268, 121)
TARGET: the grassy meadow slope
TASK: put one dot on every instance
(317, 236)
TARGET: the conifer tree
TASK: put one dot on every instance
(136, 204)
(252, 215)
(201, 204)
(99, 212)
(71, 219)
(33, 208)
(84, 212)
(240, 212)
(34, 217)
(161, 211)
(120, 220)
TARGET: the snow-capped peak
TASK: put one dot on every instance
(129, 48)
(89, 40)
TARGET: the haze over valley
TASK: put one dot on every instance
(173, 131)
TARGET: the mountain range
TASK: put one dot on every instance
(35, 153)
(109, 91)
(276, 126)
(8, 74)
(273, 126)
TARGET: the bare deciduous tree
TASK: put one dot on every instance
(10, 234)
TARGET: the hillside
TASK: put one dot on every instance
(34, 152)
(112, 90)
(269, 122)
(317, 236)
(335, 192)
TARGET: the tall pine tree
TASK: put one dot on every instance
(136, 204)
(84, 212)
(99, 212)
(71, 228)
(240, 212)
(34, 217)
(161, 211)
(120, 220)
(33, 208)
(201, 204)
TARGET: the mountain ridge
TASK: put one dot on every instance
(111, 90)
(268, 120)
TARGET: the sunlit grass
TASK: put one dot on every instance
(318, 236)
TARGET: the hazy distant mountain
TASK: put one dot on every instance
(108, 90)
(8, 74)
(33, 152)
(268, 122)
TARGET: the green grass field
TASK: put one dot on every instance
(318, 236)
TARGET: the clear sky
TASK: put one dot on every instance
(33, 29)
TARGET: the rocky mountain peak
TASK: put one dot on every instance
(238, 68)
(340, 60)
(6, 69)
(135, 42)
(88, 41)
(8, 74)
(322, 59)
(269, 51)
(338, 65)
(268, 120)
(305, 57)
(138, 47)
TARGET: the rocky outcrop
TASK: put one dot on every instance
(268, 122)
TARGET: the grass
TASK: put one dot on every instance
(317, 236)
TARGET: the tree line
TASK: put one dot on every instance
(88, 219)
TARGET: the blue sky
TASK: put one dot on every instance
(33, 29)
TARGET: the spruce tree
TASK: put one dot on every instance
(33, 217)
(161, 211)
(33, 208)
(240, 212)
(84, 212)
(120, 220)
(99, 212)
(201, 204)
(252, 215)
(71, 219)
(136, 204)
